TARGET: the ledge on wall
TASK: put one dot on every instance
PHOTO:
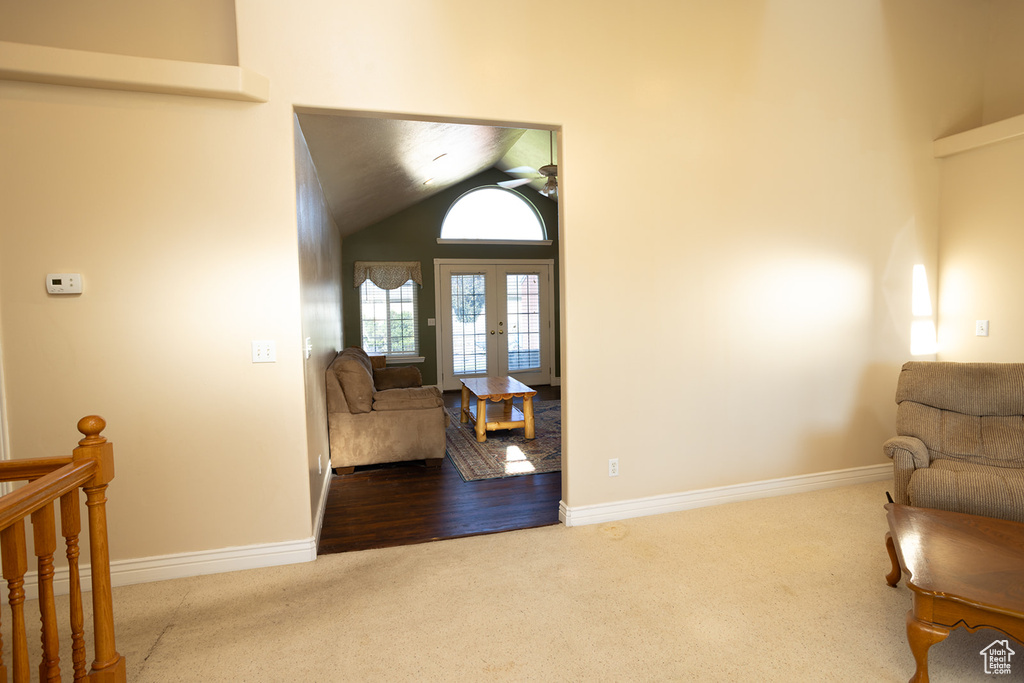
(1000, 131)
(58, 66)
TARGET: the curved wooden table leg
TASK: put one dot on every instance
(921, 636)
(893, 577)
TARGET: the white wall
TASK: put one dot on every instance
(981, 238)
(982, 242)
(188, 30)
(783, 153)
(751, 325)
(162, 204)
(1004, 88)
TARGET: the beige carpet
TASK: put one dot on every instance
(780, 589)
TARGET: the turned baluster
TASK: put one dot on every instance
(45, 537)
(108, 665)
(15, 564)
(3, 667)
(70, 528)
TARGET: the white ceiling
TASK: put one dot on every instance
(371, 168)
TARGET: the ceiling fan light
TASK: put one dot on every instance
(550, 188)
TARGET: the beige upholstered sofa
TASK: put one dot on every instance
(378, 415)
(961, 438)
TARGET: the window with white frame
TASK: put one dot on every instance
(388, 307)
(493, 214)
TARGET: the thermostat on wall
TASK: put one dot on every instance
(64, 283)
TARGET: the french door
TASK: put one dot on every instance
(494, 318)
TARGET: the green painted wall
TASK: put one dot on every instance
(411, 235)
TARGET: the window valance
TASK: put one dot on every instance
(388, 274)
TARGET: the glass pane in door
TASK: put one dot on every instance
(469, 323)
(523, 313)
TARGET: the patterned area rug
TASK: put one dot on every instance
(507, 453)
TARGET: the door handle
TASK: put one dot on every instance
(492, 331)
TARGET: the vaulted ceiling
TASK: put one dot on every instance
(371, 168)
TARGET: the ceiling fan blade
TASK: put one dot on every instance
(515, 182)
(523, 169)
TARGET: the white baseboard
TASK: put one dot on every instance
(182, 565)
(318, 522)
(688, 500)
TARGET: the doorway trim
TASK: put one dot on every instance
(549, 301)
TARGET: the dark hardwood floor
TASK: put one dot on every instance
(406, 503)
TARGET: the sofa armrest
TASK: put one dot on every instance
(908, 453)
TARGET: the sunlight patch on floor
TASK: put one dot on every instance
(516, 462)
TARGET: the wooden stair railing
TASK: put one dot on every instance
(90, 467)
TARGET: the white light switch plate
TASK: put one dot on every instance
(264, 351)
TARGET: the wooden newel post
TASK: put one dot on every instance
(108, 665)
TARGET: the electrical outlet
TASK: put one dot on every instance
(980, 328)
(264, 351)
(613, 467)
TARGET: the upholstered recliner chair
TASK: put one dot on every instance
(961, 438)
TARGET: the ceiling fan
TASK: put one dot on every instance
(549, 171)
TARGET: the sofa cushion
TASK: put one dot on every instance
(969, 488)
(397, 378)
(413, 398)
(352, 368)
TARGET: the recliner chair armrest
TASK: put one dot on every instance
(908, 454)
(910, 445)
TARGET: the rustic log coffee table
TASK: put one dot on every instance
(505, 416)
(964, 571)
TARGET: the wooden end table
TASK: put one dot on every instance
(506, 416)
(964, 570)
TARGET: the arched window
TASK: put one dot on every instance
(493, 214)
